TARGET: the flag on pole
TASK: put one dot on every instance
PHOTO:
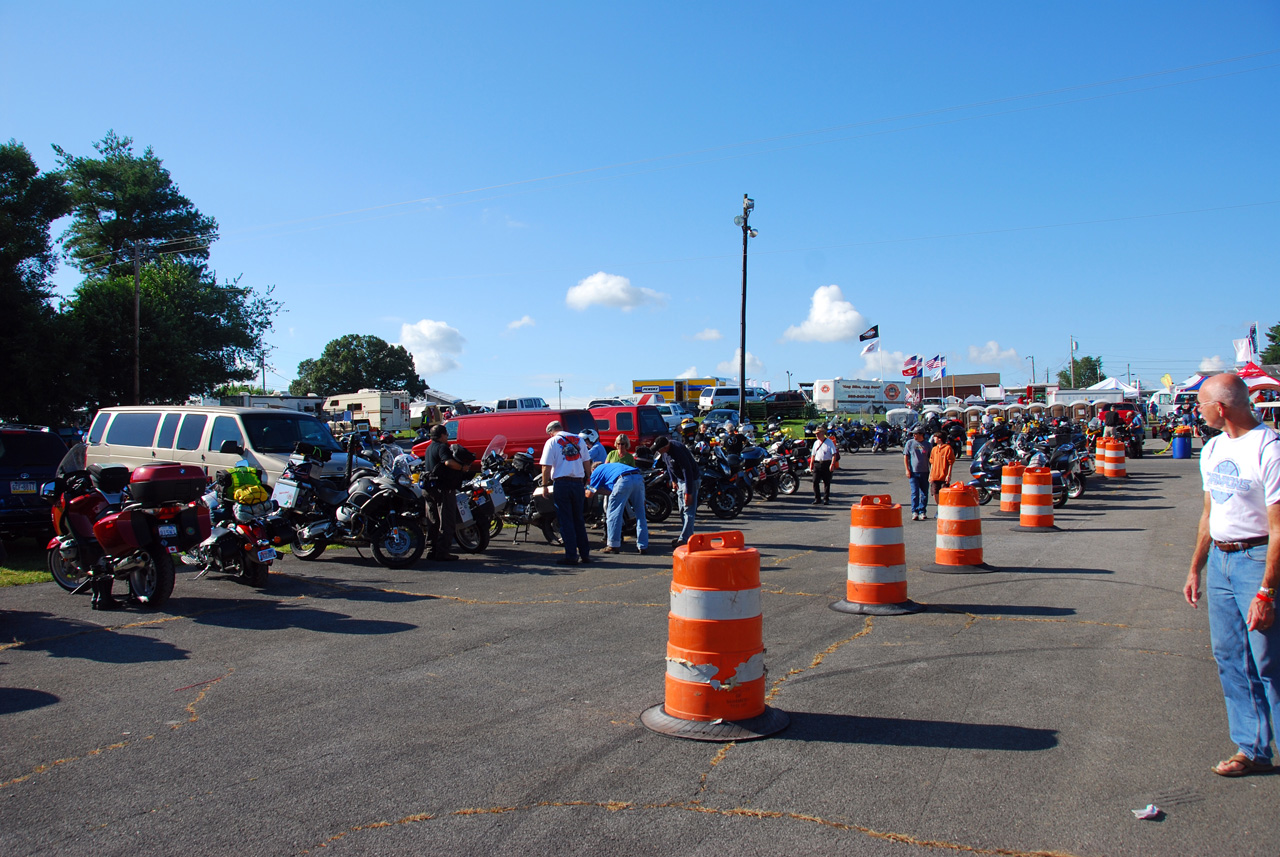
(933, 362)
(939, 368)
(872, 332)
(873, 345)
(1244, 350)
(911, 366)
(1253, 341)
(1075, 346)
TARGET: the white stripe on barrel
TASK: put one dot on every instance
(862, 536)
(715, 605)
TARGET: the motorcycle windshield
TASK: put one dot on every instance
(73, 462)
(498, 445)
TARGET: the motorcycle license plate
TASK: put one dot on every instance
(167, 531)
(266, 554)
(464, 510)
(22, 487)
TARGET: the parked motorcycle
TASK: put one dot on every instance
(111, 524)
(528, 505)
(242, 541)
(376, 510)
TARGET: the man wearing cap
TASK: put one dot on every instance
(915, 454)
(824, 453)
(562, 468)
(1238, 541)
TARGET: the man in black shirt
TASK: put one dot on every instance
(685, 476)
(445, 475)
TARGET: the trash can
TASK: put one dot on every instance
(1181, 446)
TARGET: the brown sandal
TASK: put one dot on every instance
(1241, 765)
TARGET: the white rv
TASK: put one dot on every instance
(382, 410)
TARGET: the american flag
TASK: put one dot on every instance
(934, 362)
(911, 366)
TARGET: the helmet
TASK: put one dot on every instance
(590, 435)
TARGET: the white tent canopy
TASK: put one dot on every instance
(1114, 384)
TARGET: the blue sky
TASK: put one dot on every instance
(520, 194)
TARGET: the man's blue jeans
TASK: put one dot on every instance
(1248, 661)
(570, 498)
(628, 493)
(919, 492)
(687, 510)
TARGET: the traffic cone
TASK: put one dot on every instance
(1036, 514)
(1011, 488)
(876, 581)
(959, 545)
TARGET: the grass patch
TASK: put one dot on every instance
(25, 564)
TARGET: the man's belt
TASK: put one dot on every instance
(1245, 544)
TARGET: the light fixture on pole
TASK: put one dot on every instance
(748, 204)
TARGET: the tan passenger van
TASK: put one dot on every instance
(194, 434)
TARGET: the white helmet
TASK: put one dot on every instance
(590, 435)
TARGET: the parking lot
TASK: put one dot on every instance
(491, 706)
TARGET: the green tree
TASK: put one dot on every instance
(1271, 353)
(195, 334)
(354, 362)
(29, 203)
(120, 198)
(1088, 372)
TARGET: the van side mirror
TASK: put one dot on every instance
(230, 447)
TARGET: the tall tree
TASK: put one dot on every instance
(120, 198)
(1088, 372)
(195, 335)
(1271, 353)
(29, 203)
(354, 362)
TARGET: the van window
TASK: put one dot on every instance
(626, 422)
(191, 432)
(452, 428)
(224, 428)
(652, 423)
(168, 429)
(576, 423)
(99, 427)
(602, 424)
(133, 429)
(280, 434)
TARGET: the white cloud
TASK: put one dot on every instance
(691, 372)
(610, 388)
(432, 344)
(601, 289)
(525, 321)
(730, 367)
(992, 355)
(1213, 364)
(708, 335)
(883, 364)
(831, 319)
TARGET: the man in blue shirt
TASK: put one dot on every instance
(916, 457)
(625, 486)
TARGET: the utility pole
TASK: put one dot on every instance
(1032, 358)
(560, 394)
(788, 379)
(748, 204)
(264, 369)
(1071, 358)
(1128, 371)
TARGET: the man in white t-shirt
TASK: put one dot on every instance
(1239, 543)
(562, 467)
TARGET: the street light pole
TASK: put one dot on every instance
(788, 379)
(748, 204)
(1032, 358)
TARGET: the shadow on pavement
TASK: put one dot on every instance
(1014, 569)
(269, 615)
(15, 699)
(903, 732)
(1001, 609)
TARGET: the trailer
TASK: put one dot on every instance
(380, 410)
(840, 396)
(684, 390)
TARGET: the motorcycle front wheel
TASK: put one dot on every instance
(152, 584)
(495, 527)
(254, 573)
(472, 538)
(1075, 487)
(657, 506)
(769, 489)
(984, 496)
(788, 484)
(724, 504)
(399, 546)
(66, 576)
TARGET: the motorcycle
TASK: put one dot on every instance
(111, 524)
(377, 509)
(242, 541)
(481, 501)
(528, 503)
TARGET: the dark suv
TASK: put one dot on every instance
(29, 456)
(785, 403)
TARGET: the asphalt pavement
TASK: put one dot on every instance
(492, 706)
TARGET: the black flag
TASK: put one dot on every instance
(872, 333)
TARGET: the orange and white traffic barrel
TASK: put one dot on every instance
(968, 444)
(1036, 514)
(1118, 460)
(715, 681)
(876, 580)
(1102, 457)
(959, 546)
(1011, 488)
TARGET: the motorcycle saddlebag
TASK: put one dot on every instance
(123, 532)
(167, 482)
(193, 526)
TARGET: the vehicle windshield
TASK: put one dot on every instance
(280, 433)
(498, 445)
(30, 448)
(651, 422)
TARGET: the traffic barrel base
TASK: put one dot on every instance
(715, 681)
(876, 583)
(959, 545)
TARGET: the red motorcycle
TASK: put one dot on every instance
(112, 524)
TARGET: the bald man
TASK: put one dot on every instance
(1239, 543)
